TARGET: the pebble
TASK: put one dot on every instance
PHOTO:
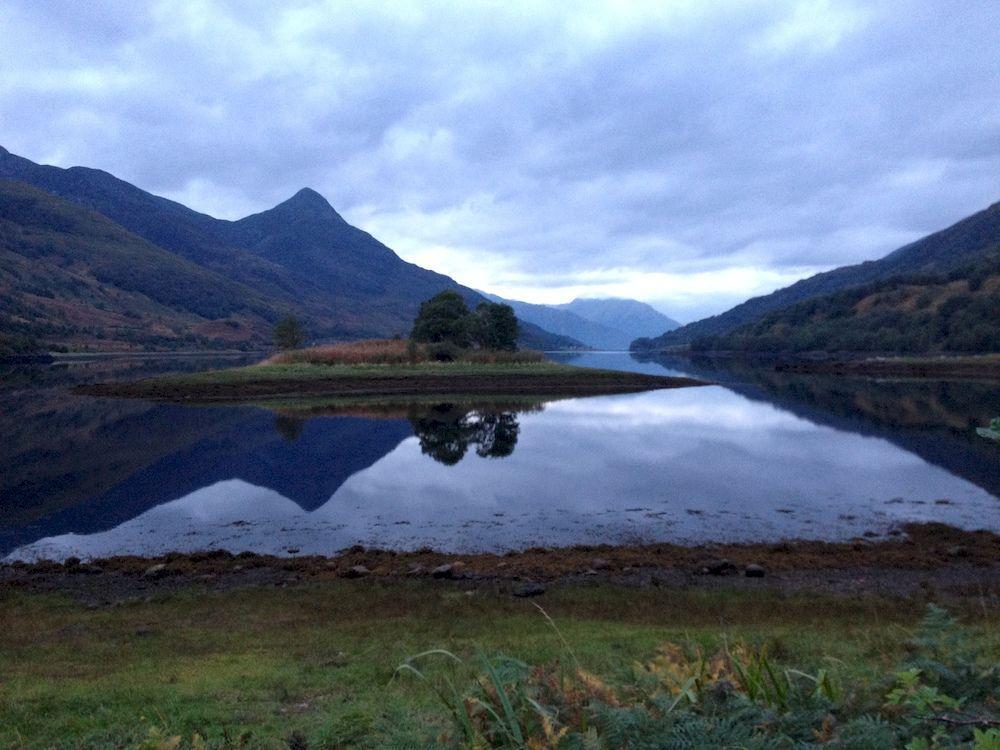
(719, 568)
(529, 589)
(448, 570)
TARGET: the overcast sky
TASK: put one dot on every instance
(689, 153)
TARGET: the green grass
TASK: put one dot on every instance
(319, 659)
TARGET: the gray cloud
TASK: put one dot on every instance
(540, 150)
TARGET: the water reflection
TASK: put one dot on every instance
(934, 419)
(446, 431)
(761, 456)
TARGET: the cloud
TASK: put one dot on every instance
(535, 147)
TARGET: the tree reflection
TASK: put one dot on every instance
(289, 427)
(446, 431)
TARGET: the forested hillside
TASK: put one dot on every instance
(954, 312)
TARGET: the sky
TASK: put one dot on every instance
(686, 153)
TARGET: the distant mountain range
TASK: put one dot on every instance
(606, 323)
(943, 280)
(88, 261)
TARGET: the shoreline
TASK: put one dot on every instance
(986, 367)
(248, 384)
(924, 555)
(856, 364)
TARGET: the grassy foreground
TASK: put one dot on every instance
(314, 666)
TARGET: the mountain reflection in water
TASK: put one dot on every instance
(761, 456)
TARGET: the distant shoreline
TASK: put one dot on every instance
(986, 366)
(872, 364)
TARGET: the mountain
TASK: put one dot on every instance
(628, 315)
(954, 312)
(598, 323)
(942, 252)
(72, 277)
(532, 336)
(203, 282)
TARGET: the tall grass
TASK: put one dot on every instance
(396, 352)
(368, 352)
(943, 698)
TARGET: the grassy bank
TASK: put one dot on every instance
(313, 665)
(305, 376)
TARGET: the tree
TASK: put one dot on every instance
(494, 326)
(288, 333)
(444, 318)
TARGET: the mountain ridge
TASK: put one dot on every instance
(939, 252)
(298, 257)
(595, 327)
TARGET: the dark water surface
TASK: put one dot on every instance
(760, 456)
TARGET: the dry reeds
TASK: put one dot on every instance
(367, 352)
(396, 352)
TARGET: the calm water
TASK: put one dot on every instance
(759, 456)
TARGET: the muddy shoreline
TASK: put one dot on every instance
(513, 384)
(923, 558)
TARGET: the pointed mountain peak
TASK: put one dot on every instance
(308, 201)
(308, 195)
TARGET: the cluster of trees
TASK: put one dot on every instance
(446, 319)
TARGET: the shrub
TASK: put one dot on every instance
(288, 333)
(444, 351)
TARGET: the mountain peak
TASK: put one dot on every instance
(307, 202)
(309, 198)
(308, 194)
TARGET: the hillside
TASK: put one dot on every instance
(565, 323)
(941, 252)
(598, 323)
(954, 312)
(216, 277)
(73, 278)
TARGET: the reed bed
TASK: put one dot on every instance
(398, 352)
(367, 352)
